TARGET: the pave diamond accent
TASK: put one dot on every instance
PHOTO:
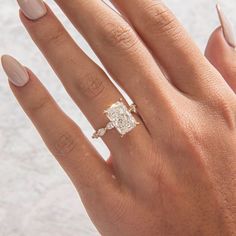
(109, 126)
(101, 132)
(121, 118)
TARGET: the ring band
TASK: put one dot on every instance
(120, 117)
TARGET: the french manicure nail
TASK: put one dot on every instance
(16, 73)
(227, 27)
(32, 9)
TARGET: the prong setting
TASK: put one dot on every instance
(120, 117)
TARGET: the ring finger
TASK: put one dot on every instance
(87, 83)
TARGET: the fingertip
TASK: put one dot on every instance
(216, 43)
(218, 51)
(227, 27)
(3, 59)
(27, 21)
(15, 71)
(22, 16)
(33, 10)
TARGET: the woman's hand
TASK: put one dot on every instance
(174, 174)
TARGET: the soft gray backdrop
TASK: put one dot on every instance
(36, 197)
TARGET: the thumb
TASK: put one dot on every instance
(221, 50)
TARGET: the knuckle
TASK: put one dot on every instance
(223, 106)
(90, 84)
(40, 104)
(161, 19)
(120, 35)
(227, 113)
(188, 130)
(193, 140)
(55, 37)
(64, 145)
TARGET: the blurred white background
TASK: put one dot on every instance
(36, 197)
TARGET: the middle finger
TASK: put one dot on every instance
(123, 54)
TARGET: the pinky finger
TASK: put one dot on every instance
(88, 171)
(221, 51)
(223, 57)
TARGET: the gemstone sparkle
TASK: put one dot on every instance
(121, 118)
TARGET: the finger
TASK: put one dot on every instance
(87, 84)
(90, 88)
(123, 54)
(82, 163)
(170, 44)
(221, 51)
(222, 56)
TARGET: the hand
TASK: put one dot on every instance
(174, 174)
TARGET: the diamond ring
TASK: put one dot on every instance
(120, 117)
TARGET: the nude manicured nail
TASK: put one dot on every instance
(16, 73)
(32, 9)
(227, 27)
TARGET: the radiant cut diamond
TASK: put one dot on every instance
(121, 118)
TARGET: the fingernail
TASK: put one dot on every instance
(16, 73)
(227, 27)
(32, 9)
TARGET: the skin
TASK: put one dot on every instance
(175, 173)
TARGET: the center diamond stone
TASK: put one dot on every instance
(121, 118)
